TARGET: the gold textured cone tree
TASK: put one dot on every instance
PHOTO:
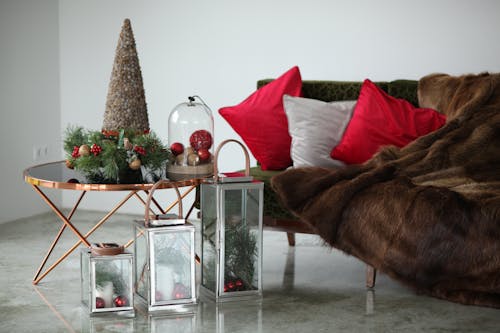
(126, 103)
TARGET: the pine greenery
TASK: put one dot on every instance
(111, 163)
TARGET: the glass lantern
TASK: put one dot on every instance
(106, 282)
(231, 210)
(190, 136)
(164, 260)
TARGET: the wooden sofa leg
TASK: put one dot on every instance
(371, 274)
(291, 238)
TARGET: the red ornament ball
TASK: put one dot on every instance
(99, 303)
(201, 139)
(180, 291)
(177, 148)
(203, 154)
(158, 296)
(120, 301)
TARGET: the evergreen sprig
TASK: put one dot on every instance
(114, 156)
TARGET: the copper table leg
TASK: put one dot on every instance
(83, 239)
(56, 239)
(61, 216)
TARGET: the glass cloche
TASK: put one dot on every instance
(190, 136)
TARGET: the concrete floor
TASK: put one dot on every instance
(309, 288)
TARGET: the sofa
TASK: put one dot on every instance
(278, 218)
(427, 213)
(415, 190)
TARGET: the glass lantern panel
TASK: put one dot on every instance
(141, 262)
(241, 239)
(209, 236)
(172, 265)
(112, 283)
(85, 275)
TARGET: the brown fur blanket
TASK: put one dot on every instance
(428, 214)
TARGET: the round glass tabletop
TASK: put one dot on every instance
(57, 175)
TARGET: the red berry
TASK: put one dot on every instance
(177, 148)
(140, 150)
(75, 153)
(95, 149)
(201, 139)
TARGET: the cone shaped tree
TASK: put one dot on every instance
(126, 103)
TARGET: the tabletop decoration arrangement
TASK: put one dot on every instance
(125, 150)
(115, 159)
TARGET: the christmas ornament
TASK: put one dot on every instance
(180, 291)
(200, 139)
(84, 150)
(99, 303)
(193, 159)
(177, 148)
(135, 164)
(158, 295)
(203, 154)
(69, 164)
(179, 159)
(75, 153)
(120, 301)
(140, 150)
(95, 149)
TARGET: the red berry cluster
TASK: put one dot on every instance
(95, 149)
(75, 153)
(140, 150)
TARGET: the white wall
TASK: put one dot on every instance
(29, 99)
(219, 49)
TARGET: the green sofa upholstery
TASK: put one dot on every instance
(275, 215)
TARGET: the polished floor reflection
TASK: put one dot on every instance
(309, 288)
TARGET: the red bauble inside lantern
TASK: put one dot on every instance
(99, 303)
(120, 301)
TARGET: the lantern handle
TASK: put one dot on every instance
(150, 197)
(216, 157)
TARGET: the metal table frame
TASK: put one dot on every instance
(132, 190)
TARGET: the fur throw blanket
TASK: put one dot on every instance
(428, 214)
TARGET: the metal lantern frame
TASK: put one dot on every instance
(220, 188)
(88, 263)
(152, 229)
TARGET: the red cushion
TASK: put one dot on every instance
(379, 120)
(261, 121)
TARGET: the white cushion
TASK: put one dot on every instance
(316, 127)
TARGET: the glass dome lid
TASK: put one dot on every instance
(190, 137)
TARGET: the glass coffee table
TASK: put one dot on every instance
(56, 175)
